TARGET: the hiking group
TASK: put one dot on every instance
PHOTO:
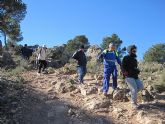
(40, 57)
(109, 57)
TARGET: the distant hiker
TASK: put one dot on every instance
(110, 57)
(42, 59)
(131, 71)
(1, 48)
(26, 52)
(80, 56)
(35, 54)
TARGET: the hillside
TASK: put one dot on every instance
(57, 98)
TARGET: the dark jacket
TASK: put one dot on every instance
(129, 65)
(80, 57)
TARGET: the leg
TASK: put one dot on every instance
(114, 78)
(106, 80)
(84, 72)
(139, 84)
(133, 88)
(40, 66)
(44, 65)
(80, 73)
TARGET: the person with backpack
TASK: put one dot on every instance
(24, 52)
(110, 57)
(80, 56)
(131, 72)
(42, 59)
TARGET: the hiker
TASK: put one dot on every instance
(80, 56)
(131, 72)
(35, 55)
(42, 59)
(26, 52)
(110, 57)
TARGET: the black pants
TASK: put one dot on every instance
(42, 64)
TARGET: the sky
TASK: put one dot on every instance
(54, 22)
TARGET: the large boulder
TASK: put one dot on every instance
(120, 94)
(97, 103)
(64, 86)
(93, 51)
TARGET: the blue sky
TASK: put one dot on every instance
(54, 22)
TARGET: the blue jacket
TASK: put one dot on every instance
(110, 58)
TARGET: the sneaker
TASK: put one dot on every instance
(39, 74)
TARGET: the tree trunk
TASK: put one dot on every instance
(5, 38)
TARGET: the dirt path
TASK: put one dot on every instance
(45, 106)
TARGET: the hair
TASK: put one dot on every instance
(130, 48)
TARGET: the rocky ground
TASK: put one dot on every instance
(58, 99)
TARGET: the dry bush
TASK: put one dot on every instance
(151, 67)
(161, 86)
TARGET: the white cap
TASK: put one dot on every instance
(111, 44)
(44, 45)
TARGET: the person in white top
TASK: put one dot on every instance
(42, 59)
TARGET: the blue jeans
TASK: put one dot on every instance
(135, 85)
(107, 73)
(81, 72)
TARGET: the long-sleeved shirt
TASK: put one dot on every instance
(80, 57)
(42, 54)
(129, 65)
(110, 58)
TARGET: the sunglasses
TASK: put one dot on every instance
(134, 51)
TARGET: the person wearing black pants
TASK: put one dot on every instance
(42, 64)
(42, 59)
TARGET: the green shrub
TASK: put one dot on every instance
(16, 72)
(155, 54)
(69, 69)
(50, 70)
(151, 67)
(161, 85)
(163, 77)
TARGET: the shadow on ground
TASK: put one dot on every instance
(35, 107)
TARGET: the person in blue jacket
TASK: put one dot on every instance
(110, 57)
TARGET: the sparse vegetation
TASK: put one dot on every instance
(156, 53)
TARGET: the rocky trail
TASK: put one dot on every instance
(58, 99)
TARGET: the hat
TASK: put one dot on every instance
(111, 44)
(130, 48)
(44, 45)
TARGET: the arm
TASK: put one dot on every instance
(75, 55)
(100, 57)
(125, 66)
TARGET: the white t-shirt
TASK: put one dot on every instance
(42, 54)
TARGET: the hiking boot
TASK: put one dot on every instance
(39, 74)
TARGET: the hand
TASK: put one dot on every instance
(125, 73)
